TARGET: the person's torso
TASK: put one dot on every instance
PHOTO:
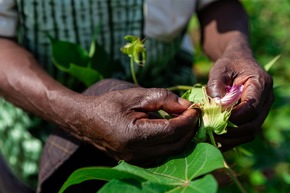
(76, 21)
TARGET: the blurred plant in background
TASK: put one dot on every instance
(17, 144)
(264, 164)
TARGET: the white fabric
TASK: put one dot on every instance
(8, 18)
(165, 19)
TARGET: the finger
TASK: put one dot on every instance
(187, 119)
(151, 154)
(243, 133)
(219, 79)
(257, 88)
(253, 95)
(157, 99)
(245, 111)
(161, 137)
(158, 131)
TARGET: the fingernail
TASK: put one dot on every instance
(217, 100)
(184, 102)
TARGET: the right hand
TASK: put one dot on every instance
(120, 123)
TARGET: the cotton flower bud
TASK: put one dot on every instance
(232, 96)
(216, 112)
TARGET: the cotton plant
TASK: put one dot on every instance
(189, 171)
(215, 114)
(136, 51)
(215, 111)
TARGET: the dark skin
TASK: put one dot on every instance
(226, 28)
(116, 118)
(116, 121)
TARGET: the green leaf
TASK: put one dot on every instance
(192, 163)
(133, 186)
(96, 173)
(206, 184)
(200, 135)
(131, 38)
(135, 49)
(71, 58)
(194, 95)
(86, 75)
(231, 124)
(65, 53)
(181, 173)
(268, 66)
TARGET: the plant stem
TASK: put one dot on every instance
(211, 137)
(234, 177)
(227, 167)
(133, 71)
(179, 87)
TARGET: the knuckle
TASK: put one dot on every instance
(161, 92)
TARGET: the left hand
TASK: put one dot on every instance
(121, 120)
(256, 99)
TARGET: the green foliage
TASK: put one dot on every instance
(194, 94)
(71, 58)
(136, 51)
(20, 149)
(181, 173)
(269, 21)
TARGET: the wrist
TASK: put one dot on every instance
(238, 48)
(78, 114)
(65, 107)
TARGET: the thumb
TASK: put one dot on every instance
(218, 80)
(162, 99)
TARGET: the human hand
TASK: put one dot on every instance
(108, 85)
(256, 99)
(123, 123)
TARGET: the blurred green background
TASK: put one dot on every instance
(264, 164)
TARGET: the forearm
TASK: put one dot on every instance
(224, 27)
(24, 83)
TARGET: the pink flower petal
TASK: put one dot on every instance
(232, 96)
